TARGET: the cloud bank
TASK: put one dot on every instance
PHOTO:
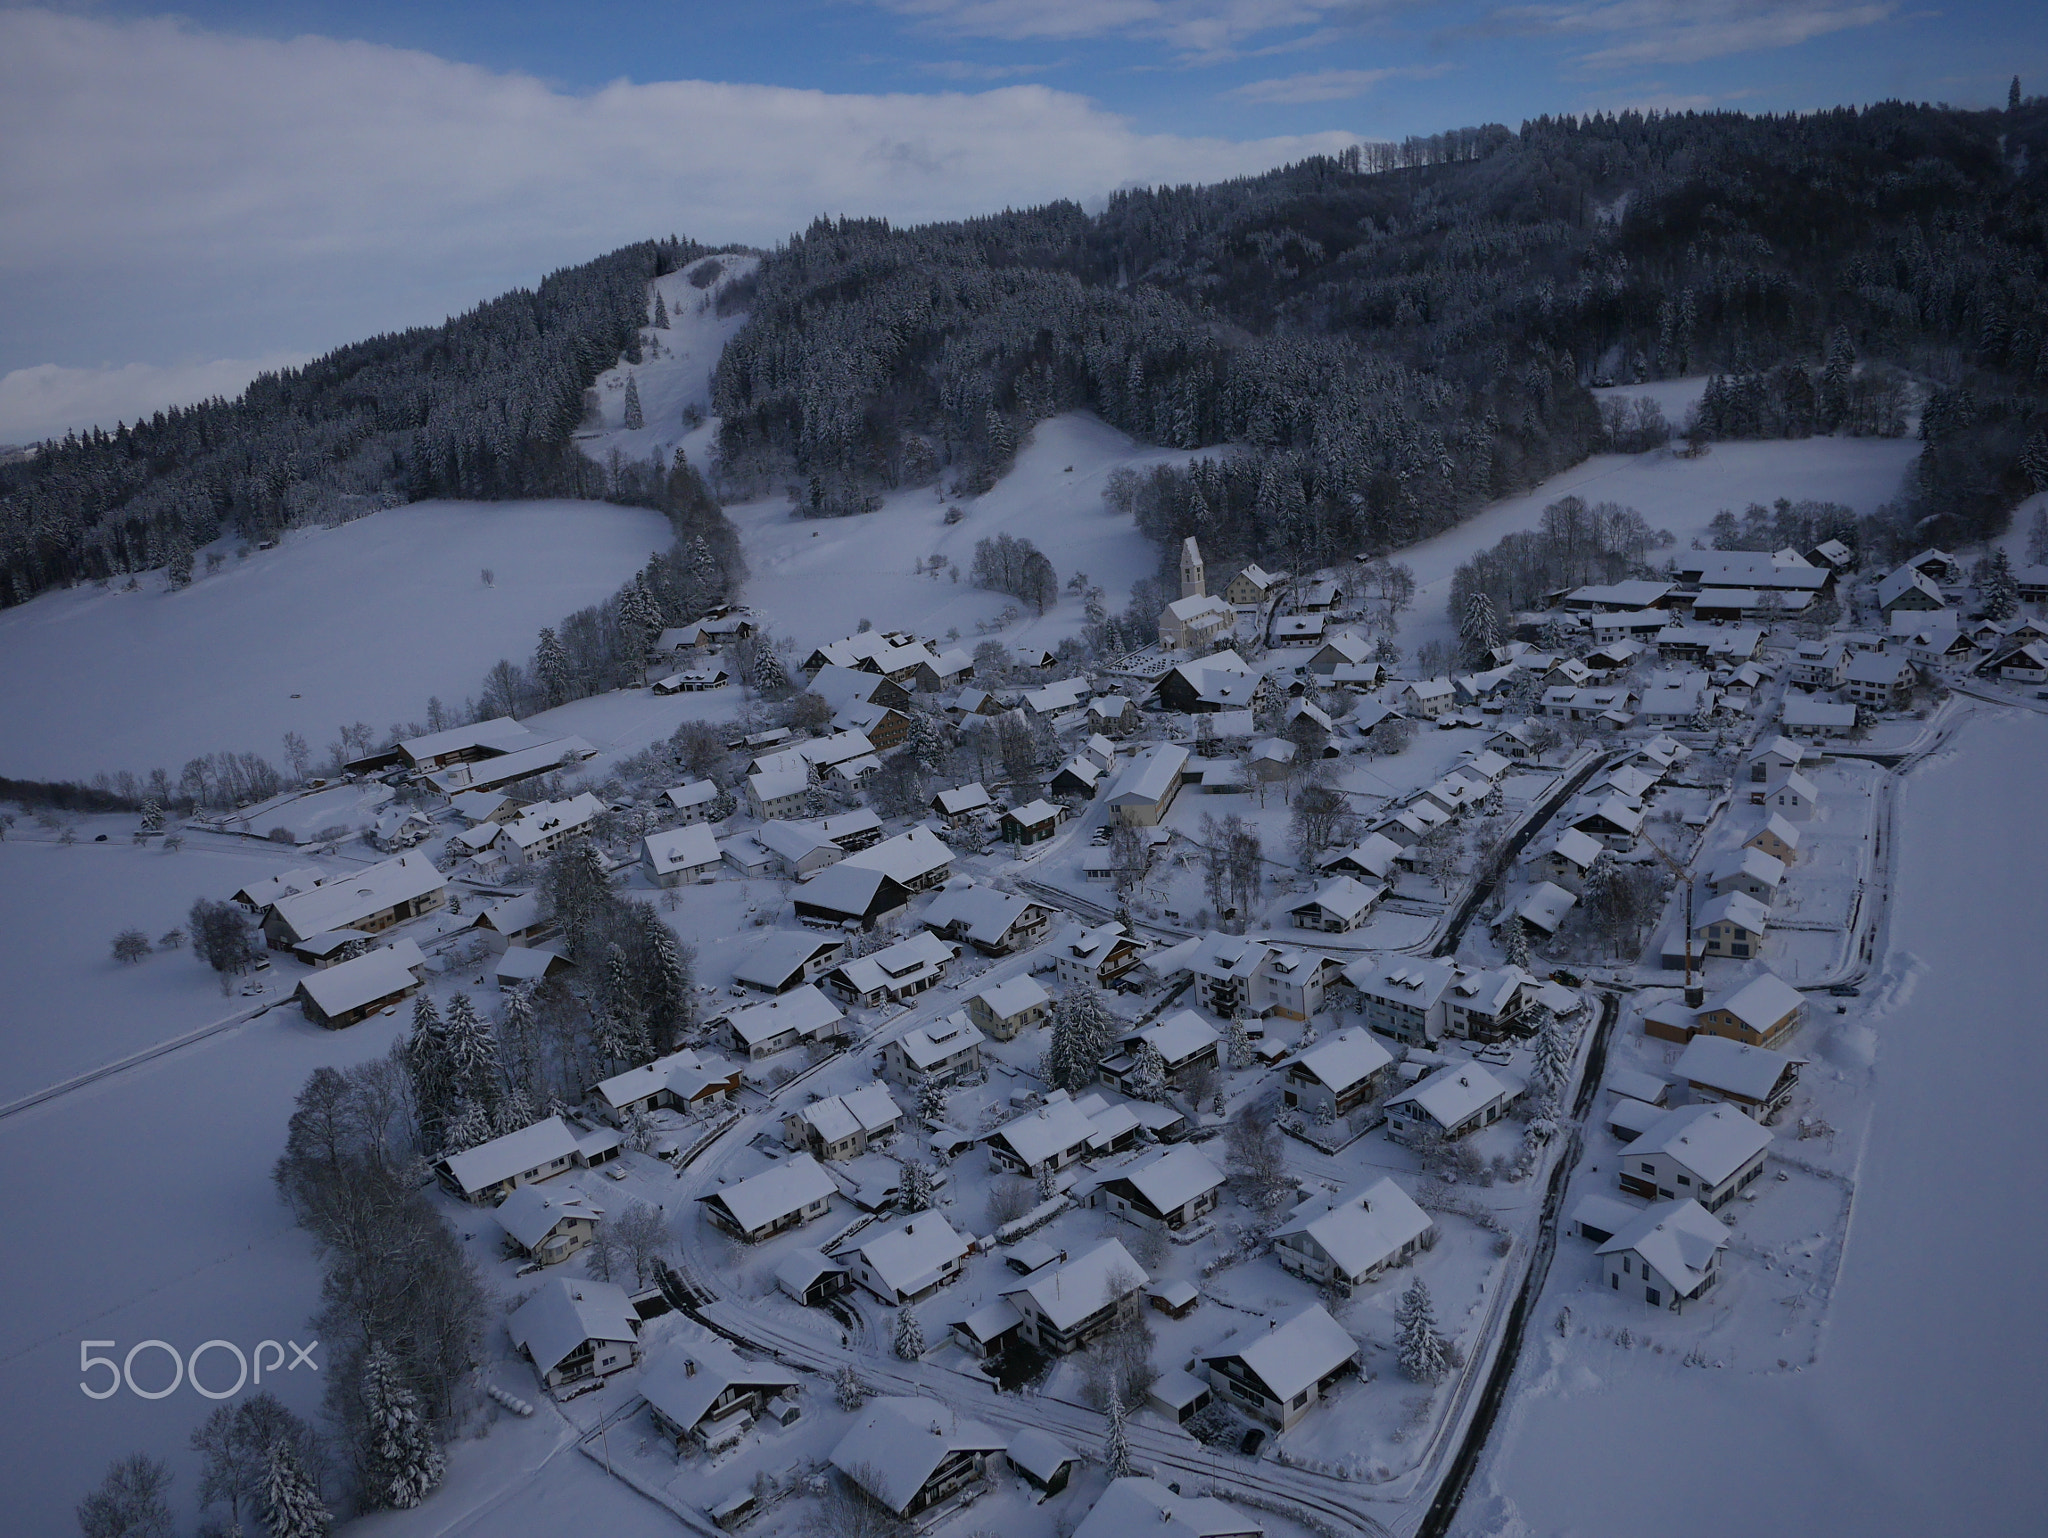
(172, 192)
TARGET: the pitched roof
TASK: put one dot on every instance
(1737, 908)
(1761, 1002)
(1069, 1293)
(353, 984)
(1577, 846)
(1170, 1178)
(1678, 1238)
(1039, 1453)
(1734, 1067)
(1361, 1228)
(689, 848)
(1786, 832)
(781, 953)
(908, 1256)
(1746, 861)
(1052, 1129)
(804, 1010)
(515, 1153)
(1149, 775)
(1344, 897)
(899, 1443)
(1136, 1504)
(565, 1313)
(1454, 1092)
(849, 889)
(1342, 1060)
(1014, 995)
(907, 857)
(926, 1046)
(686, 1380)
(345, 899)
(1713, 1141)
(1180, 1035)
(775, 1192)
(1288, 1357)
(531, 1213)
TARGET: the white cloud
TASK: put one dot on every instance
(1654, 32)
(1202, 30)
(47, 400)
(170, 192)
(1330, 84)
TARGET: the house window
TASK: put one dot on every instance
(1651, 1295)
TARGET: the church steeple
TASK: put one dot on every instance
(1192, 582)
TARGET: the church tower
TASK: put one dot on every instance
(1192, 583)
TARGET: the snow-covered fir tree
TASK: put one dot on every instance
(1237, 1044)
(1479, 628)
(1423, 1352)
(291, 1501)
(1116, 1442)
(469, 1127)
(660, 312)
(770, 677)
(1999, 594)
(918, 1186)
(1552, 1052)
(634, 421)
(1081, 1031)
(472, 1049)
(1147, 1078)
(404, 1461)
(931, 1101)
(848, 1392)
(433, 1080)
(909, 1342)
(1514, 943)
(551, 668)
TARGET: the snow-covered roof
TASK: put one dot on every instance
(527, 963)
(804, 1010)
(793, 842)
(515, 1153)
(775, 1192)
(354, 984)
(567, 1312)
(1798, 784)
(1374, 854)
(1734, 1067)
(781, 953)
(1761, 1002)
(687, 1378)
(1034, 813)
(490, 773)
(1615, 810)
(1148, 776)
(845, 888)
(1545, 906)
(684, 1072)
(1050, 699)
(1896, 585)
(927, 1046)
(962, 799)
(1638, 1085)
(803, 1266)
(899, 1443)
(1170, 1178)
(696, 793)
(1713, 1141)
(982, 914)
(868, 1109)
(1677, 1238)
(261, 894)
(1455, 1092)
(1067, 1294)
(769, 785)
(909, 1255)
(1051, 1130)
(1344, 897)
(1181, 1035)
(1136, 1504)
(908, 857)
(1039, 1453)
(1803, 710)
(690, 848)
(1413, 980)
(1577, 847)
(358, 895)
(1350, 1056)
(1362, 1228)
(553, 819)
(1288, 1357)
(1745, 861)
(1014, 995)
(1737, 908)
(531, 1213)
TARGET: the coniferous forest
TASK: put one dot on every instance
(1396, 335)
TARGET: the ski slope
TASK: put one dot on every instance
(357, 623)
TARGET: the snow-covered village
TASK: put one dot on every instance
(1135, 948)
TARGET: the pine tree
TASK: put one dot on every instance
(1081, 1028)
(634, 421)
(472, 1049)
(291, 1501)
(2012, 95)
(551, 666)
(519, 1042)
(2034, 459)
(670, 1001)
(1147, 1079)
(917, 1185)
(927, 741)
(1237, 1044)
(1116, 1443)
(2000, 594)
(470, 1127)
(1424, 1354)
(909, 1335)
(427, 1066)
(1514, 943)
(660, 312)
(1552, 1052)
(404, 1463)
(770, 677)
(931, 1101)
(1480, 628)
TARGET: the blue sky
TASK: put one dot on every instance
(188, 197)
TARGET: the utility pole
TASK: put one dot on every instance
(1694, 995)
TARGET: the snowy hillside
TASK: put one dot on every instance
(359, 623)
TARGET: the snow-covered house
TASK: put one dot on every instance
(1425, 698)
(1454, 1100)
(788, 958)
(1051, 1137)
(1344, 1241)
(1136, 1504)
(686, 1078)
(918, 860)
(811, 1277)
(848, 895)
(800, 1016)
(1793, 797)
(910, 1455)
(842, 1126)
(680, 855)
(1777, 838)
(1812, 718)
(1254, 585)
(705, 1392)
(1370, 860)
(1294, 983)
(1189, 624)
(1706, 1152)
(1066, 1305)
(548, 1226)
(1672, 1251)
(1001, 1010)
(1545, 907)
(576, 1329)
(1732, 924)
(1908, 590)
(1043, 1460)
(368, 900)
(994, 923)
(800, 849)
(962, 803)
(1884, 679)
(1338, 906)
(487, 1173)
(909, 1259)
(1755, 1080)
(773, 793)
(693, 802)
(1166, 1188)
(783, 1196)
(1098, 958)
(1279, 1372)
(1403, 996)
(1747, 870)
(1566, 858)
(1614, 819)
(349, 991)
(893, 975)
(1760, 1012)
(1226, 970)
(1338, 1074)
(945, 1050)
(1146, 786)
(1186, 1043)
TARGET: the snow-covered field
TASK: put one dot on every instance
(1922, 1411)
(358, 623)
